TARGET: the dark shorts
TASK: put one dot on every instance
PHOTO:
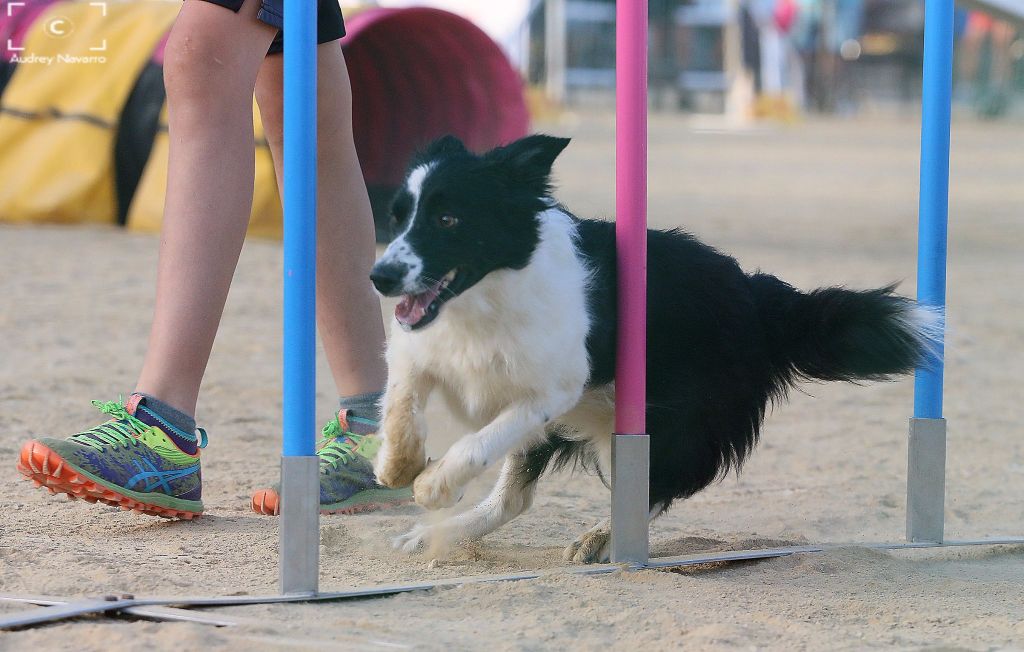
(330, 26)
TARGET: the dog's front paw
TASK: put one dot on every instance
(418, 538)
(434, 489)
(397, 467)
(592, 547)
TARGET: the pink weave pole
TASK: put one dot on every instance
(631, 216)
(631, 448)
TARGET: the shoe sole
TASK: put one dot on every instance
(267, 502)
(46, 469)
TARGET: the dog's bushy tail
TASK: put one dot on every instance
(839, 334)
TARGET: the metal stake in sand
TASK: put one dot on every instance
(926, 470)
(299, 546)
(631, 447)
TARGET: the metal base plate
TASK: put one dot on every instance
(84, 607)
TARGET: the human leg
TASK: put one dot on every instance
(348, 311)
(143, 458)
(210, 67)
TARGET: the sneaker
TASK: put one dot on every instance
(132, 461)
(347, 485)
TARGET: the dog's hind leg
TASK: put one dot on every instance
(595, 545)
(510, 497)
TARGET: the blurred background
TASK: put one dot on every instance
(784, 132)
(83, 129)
(778, 58)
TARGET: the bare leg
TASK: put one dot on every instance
(210, 68)
(348, 311)
(511, 496)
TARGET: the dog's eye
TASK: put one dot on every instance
(447, 221)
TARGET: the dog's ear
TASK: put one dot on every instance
(529, 160)
(446, 145)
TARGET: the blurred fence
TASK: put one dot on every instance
(747, 57)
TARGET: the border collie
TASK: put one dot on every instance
(508, 310)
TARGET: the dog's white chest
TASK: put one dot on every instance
(483, 368)
(516, 336)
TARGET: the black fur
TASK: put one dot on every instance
(722, 346)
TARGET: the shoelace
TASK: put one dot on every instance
(337, 446)
(122, 430)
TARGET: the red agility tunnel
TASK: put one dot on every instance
(419, 74)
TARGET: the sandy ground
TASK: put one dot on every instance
(821, 203)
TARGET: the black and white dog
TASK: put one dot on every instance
(508, 309)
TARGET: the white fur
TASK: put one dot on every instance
(928, 324)
(492, 351)
(508, 499)
(399, 250)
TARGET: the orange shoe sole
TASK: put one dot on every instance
(268, 503)
(45, 468)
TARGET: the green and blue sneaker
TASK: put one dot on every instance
(136, 461)
(347, 482)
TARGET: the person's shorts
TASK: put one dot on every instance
(330, 26)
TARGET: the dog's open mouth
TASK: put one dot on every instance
(417, 310)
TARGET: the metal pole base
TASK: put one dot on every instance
(631, 461)
(926, 480)
(299, 547)
(110, 604)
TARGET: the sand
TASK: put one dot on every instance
(820, 203)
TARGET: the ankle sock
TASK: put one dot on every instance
(182, 427)
(364, 406)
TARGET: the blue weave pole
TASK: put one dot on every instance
(926, 454)
(299, 227)
(299, 525)
(934, 201)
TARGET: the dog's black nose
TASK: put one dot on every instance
(387, 277)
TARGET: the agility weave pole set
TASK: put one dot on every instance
(299, 525)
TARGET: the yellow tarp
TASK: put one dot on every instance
(62, 106)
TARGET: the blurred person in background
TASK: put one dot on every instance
(986, 53)
(774, 20)
(807, 36)
(827, 36)
(842, 31)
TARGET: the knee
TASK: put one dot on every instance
(185, 61)
(333, 115)
(198, 74)
(334, 104)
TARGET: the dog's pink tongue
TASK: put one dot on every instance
(413, 307)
